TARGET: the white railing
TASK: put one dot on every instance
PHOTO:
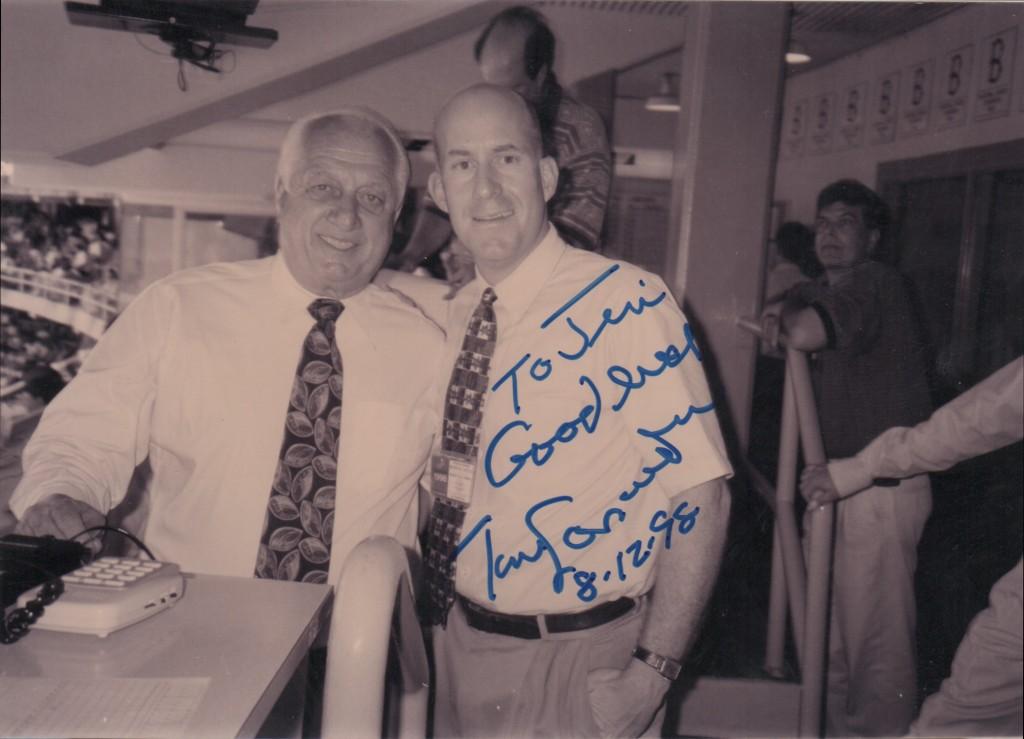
(374, 612)
(805, 591)
(79, 305)
(735, 707)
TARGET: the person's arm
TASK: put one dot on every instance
(795, 316)
(625, 701)
(803, 326)
(845, 316)
(93, 434)
(585, 174)
(987, 417)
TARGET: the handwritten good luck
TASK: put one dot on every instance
(512, 450)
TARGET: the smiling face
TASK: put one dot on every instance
(337, 203)
(492, 181)
(841, 238)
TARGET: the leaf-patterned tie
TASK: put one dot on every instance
(463, 412)
(296, 539)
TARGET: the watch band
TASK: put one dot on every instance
(666, 667)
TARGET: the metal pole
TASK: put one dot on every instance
(819, 558)
(788, 534)
(788, 576)
(776, 637)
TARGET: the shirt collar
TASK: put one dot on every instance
(293, 296)
(286, 289)
(517, 291)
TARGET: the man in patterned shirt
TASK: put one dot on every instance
(517, 50)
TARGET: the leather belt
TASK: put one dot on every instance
(533, 627)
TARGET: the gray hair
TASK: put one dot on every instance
(295, 140)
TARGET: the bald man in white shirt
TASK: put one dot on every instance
(591, 482)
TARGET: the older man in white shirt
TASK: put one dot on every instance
(199, 376)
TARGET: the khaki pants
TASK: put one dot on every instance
(495, 685)
(872, 660)
(983, 694)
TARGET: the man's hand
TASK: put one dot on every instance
(816, 485)
(458, 265)
(624, 702)
(771, 327)
(62, 517)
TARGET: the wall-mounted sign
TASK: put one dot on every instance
(795, 129)
(995, 74)
(850, 115)
(822, 122)
(884, 105)
(917, 99)
(952, 87)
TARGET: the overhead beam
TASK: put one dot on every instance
(290, 85)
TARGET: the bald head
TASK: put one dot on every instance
(492, 177)
(517, 50)
(482, 101)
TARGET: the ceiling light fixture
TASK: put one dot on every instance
(666, 101)
(797, 53)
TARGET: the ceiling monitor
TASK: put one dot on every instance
(209, 21)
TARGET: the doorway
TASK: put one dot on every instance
(958, 236)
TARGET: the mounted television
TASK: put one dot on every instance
(211, 21)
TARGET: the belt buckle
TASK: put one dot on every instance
(542, 626)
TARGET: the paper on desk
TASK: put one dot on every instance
(148, 708)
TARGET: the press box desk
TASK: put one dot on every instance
(247, 636)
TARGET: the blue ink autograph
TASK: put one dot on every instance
(666, 449)
(662, 522)
(512, 449)
(608, 319)
(539, 454)
(542, 367)
(501, 565)
(579, 296)
(669, 357)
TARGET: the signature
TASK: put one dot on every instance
(667, 358)
(662, 523)
(519, 446)
(540, 453)
(663, 526)
(541, 367)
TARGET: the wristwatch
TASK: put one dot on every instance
(666, 667)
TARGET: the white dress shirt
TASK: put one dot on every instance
(987, 417)
(196, 375)
(594, 466)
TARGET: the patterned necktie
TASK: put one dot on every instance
(296, 540)
(463, 411)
